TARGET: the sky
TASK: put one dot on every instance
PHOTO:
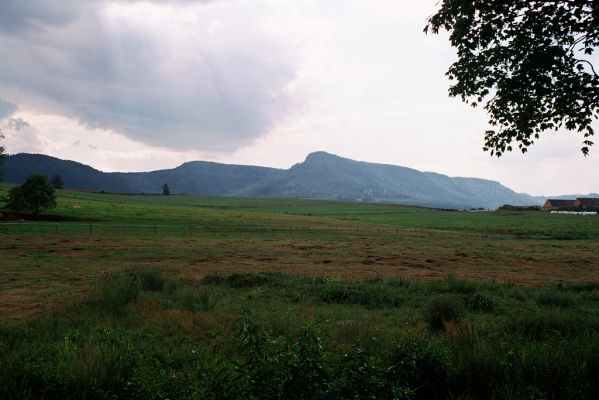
(143, 85)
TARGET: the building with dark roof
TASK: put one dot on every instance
(556, 204)
(587, 203)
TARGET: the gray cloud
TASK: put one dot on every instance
(18, 124)
(21, 137)
(6, 109)
(22, 16)
(194, 87)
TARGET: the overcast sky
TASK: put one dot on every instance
(142, 85)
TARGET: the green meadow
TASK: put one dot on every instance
(192, 297)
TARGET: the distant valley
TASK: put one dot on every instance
(320, 176)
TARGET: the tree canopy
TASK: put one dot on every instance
(166, 190)
(57, 182)
(33, 196)
(529, 61)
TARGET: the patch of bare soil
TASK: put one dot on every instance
(19, 303)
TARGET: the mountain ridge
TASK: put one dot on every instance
(320, 176)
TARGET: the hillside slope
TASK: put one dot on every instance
(320, 176)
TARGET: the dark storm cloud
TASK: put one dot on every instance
(201, 87)
(24, 15)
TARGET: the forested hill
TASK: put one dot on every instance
(320, 176)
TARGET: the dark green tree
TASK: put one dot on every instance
(57, 182)
(528, 61)
(34, 196)
(165, 190)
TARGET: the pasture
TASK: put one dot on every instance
(143, 296)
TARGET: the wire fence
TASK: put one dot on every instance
(183, 230)
(162, 230)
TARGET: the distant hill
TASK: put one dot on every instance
(320, 176)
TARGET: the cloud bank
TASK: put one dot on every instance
(201, 75)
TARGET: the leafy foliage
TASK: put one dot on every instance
(57, 182)
(441, 310)
(34, 196)
(532, 58)
(166, 190)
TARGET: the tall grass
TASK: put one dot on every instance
(230, 341)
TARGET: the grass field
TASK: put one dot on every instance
(205, 297)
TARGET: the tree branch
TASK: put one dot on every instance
(590, 65)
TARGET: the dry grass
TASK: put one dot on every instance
(38, 269)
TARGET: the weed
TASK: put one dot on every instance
(422, 367)
(555, 298)
(459, 285)
(236, 280)
(152, 279)
(114, 292)
(480, 302)
(195, 299)
(442, 309)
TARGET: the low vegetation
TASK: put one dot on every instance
(141, 334)
(414, 313)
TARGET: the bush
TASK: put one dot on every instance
(555, 298)
(442, 309)
(422, 367)
(152, 279)
(369, 295)
(236, 280)
(543, 324)
(480, 302)
(195, 299)
(460, 286)
(116, 291)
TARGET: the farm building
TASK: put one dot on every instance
(556, 204)
(587, 203)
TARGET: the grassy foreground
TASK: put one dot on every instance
(387, 302)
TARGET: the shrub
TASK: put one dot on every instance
(480, 302)
(369, 295)
(459, 285)
(422, 367)
(237, 280)
(152, 279)
(442, 309)
(543, 324)
(116, 291)
(195, 299)
(555, 298)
